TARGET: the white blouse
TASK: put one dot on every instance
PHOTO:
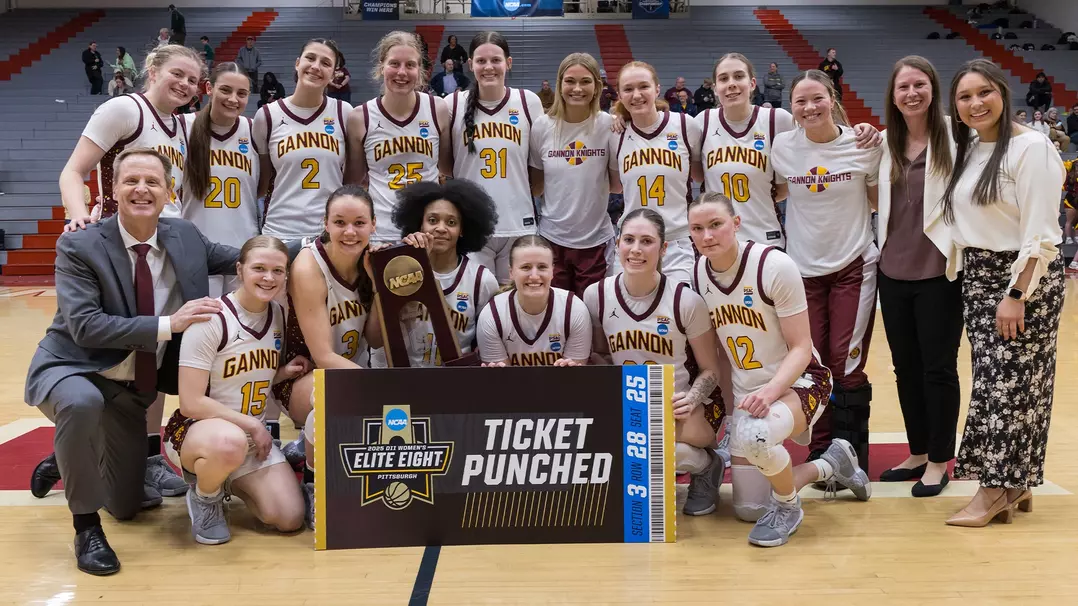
(1026, 218)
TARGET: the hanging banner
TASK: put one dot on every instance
(517, 8)
(380, 10)
(651, 9)
(465, 456)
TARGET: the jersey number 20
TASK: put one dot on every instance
(227, 191)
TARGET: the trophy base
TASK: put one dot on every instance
(469, 359)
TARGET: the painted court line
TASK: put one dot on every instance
(22, 426)
(425, 577)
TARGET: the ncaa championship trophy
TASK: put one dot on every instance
(406, 277)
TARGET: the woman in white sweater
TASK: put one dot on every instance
(922, 309)
(1003, 203)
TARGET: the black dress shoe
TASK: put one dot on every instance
(920, 489)
(45, 476)
(94, 554)
(903, 475)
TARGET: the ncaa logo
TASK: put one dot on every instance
(462, 306)
(423, 132)
(663, 329)
(672, 145)
(329, 129)
(555, 347)
(748, 300)
(183, 150)
(511, 5)
(759, 145)
(243, 148)
(396, 419)
(514, 120)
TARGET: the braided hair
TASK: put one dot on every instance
(481, 38)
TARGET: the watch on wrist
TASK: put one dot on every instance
(1016, 294)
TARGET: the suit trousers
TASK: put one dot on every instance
(100, 443)
(923, 321)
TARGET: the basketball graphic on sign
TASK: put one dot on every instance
(397, 495)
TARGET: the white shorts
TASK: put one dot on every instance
(677, 263)
(250, 464)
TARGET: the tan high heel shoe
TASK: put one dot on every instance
(1001, 509)
(1024, 501)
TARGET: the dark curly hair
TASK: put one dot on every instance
(478, 214)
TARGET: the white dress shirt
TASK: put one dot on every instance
(167, 299)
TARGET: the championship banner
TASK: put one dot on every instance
(380, 10)
(517, 8)
(464, 456)
(651, 9)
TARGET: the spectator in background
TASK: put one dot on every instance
(773, 86)
(455, 52)
(179, 25)
(1040, 93)
(162, 37)
(125, 65)
(704, 98)
(207, 52)
(672, 92)
(609, 94)
(1021, 117)
(119, 86)
(92, 61)
(449, 81)
(250, 60)
(1038, 124)
(339, 87)
(546, 95)
(833, 68)
(1057, 131)
(1070, 203)
(192, 106)
(272, 89)
(1072, 124)
(684, 104)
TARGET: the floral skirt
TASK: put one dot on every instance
(1006, 434)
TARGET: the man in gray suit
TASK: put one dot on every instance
(125, 289)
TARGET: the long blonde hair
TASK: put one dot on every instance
(661, 105)
(557, 111)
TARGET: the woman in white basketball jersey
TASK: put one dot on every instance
(491, 138)
(736, 150)
(643, 316)
(533, 323)
(220, 190)
(571, 145)
(301, 142)
(756, 301)
(832, 191)
(395, 139)
(450, 221)
(227, 367)
(655, 156)
(332, 315)
(140, 120)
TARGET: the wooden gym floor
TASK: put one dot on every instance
(893, 550)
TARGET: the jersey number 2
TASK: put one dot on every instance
(493, 163)
(311, 166)
(230, 188)
(254, 397)
(403, 175)
(744, 360)
(657, 190)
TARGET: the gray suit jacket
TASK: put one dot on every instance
(96, 324)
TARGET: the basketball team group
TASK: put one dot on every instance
(777, 316)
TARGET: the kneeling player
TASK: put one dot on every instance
(646, 317)
(534, 324)
(757, 304)
(227, 366)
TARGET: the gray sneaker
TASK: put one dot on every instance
(704, 488)
(308, 501)
(161, 477)
(843, 459)
(208, 523)
(723, 448)
(295, 453)
(150, 497)
(776, 525)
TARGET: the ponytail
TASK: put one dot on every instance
(197, 170)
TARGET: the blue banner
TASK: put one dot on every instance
(517, 8)
(380, 10)
(651, 9)
(636, 480)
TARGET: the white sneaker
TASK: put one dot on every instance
(1074, 265)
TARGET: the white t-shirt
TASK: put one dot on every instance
(652, 329)
(128, 122)
(574, 159)
(654, 163)
(1026, 218)
(241, 350)
(745, 303)
(500, 162)
(737, 162)
(507, 332)
(828, 217)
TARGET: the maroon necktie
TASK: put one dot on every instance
(145, 361)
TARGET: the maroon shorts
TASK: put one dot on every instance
(577, 268)
(816, 394)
